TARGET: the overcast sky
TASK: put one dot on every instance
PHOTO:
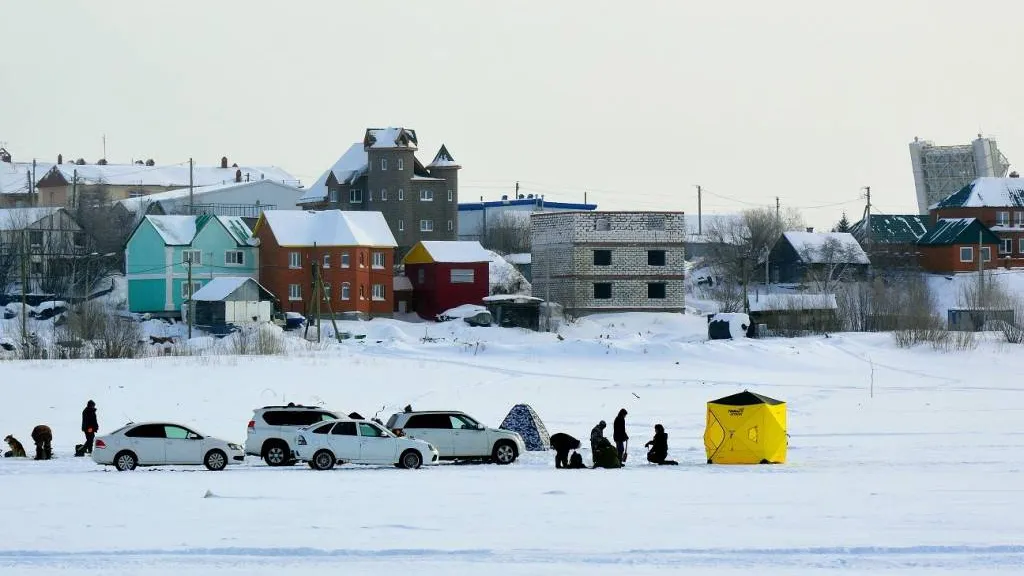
(635, 102)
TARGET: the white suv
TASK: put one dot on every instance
(456, 435)
(271, 431)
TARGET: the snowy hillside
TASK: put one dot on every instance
(924, 475)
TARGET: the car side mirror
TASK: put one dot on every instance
(194, 437)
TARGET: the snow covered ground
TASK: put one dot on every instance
(923, 477)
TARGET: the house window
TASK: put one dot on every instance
(79, 239)
(602, 225)
(369, 196)
(401, 194)
(966, 254)
(344, 259)
(1006, 246)
(421, 276)
(355, 196)
(294, 260)
(986, 254)
(295, 291)
(234, 257)
(362, 259)
(602, 257)
(451, 225)
(35, 268)
(346, 290)
(401, 164)
(35, 238)
(378, 291)
(1018, 217)
(327, 292)
(362, 292)
(462, 276)
(383, 194)
(336, 196)
(655, 257)
(327, 260)
(656, 290)
(602, 291)
(383, 164)
(451, 196)
(378, 259)
(401, 225)
(193, 256)
(1021, 246)
(426, 195)
(186, 293)
(426, 225)
(1002, 218)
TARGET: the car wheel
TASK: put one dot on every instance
(410, 460)
(215, 460)
(125, 461)
(323, 460)
(276, 453)
(504, 453)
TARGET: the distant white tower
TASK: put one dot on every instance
(942, 170)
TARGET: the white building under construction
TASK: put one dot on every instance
(942, 170)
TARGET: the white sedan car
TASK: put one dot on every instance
(160, 443)
(360, 442)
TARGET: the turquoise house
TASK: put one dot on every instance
(159, 250)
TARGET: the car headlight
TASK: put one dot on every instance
(234, 446)
(301, 441)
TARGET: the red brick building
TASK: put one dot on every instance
(956, 244)
(447, 274)
(998, 205)
(355, 252)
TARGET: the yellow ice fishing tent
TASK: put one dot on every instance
(746, 428)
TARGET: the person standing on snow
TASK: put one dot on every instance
(619, 434)
(90, 426)
(596, 435)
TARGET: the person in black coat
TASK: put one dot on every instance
(619, 434)
(90, 426)
(43, 438)
(563, 444)
(659, 447)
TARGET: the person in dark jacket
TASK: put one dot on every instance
(90, 426)
(597, 434)
(619, 434)
(563, 444)
(43, 437)
(659, 447)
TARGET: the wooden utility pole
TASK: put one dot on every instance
(191, 206)
(314, 296)
(191, 312)
(32, 190)
(24, 290)
(699, 214)
(777, 218)
(867, 214)
(74, 189)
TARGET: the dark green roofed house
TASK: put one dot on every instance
(953, 245)
(891, 242)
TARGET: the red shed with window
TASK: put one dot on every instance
(447, 274)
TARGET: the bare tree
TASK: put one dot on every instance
(737, 247)
(831, 263)
(107, 226)
(510, 234)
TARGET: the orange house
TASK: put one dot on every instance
(354, 251)
(957, 245)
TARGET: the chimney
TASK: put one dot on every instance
(60, 158)
(238, 173)
(810, 228)
(223, 161)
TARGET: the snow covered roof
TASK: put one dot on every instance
(175, 175)
(19, 218)
(401, 284)
(456, 251)
(516, 298)
(778, 302)
(14, 176)
(825, 247)
(892, 228)
(237, 228)
(522, 258)
(464, 311)
(221, 287)
(328, 228)
(352, 164)
(443, 159)
(948, 231)
(986, 192)
(138, 203)
(175, 230)
(390, 138)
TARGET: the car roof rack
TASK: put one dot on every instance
(291, 405)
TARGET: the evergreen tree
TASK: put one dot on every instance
(843, 225)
